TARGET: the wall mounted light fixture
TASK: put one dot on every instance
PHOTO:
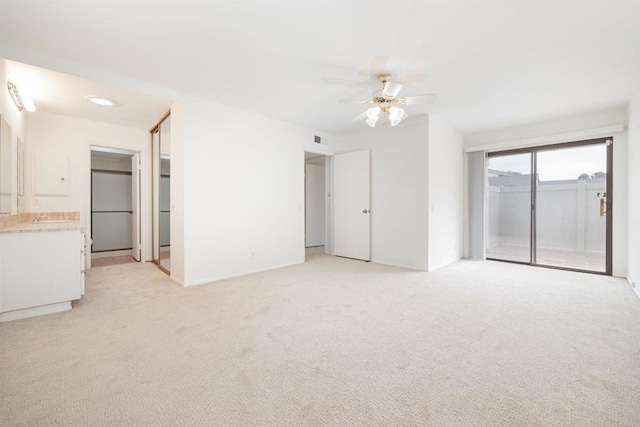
(23, 102)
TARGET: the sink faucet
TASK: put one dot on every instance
(39, 218)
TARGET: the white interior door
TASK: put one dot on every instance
(136, 248)
(351, 205)
(314, 205)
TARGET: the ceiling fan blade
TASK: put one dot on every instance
(357, 97)
(421, 99)
(391, 89)
(344, 82)
(354, 101)
(413, 77)
(378, 65)
(360, 116)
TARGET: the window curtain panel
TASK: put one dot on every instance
(476, 190)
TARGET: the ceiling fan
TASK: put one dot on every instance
(386, 104)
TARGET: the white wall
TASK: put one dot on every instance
(581, 127)
(177, 193)
(243, 192)
(633, 159)
(579, 123)
(62, 135)
(399, 190)
(17, 122)
(445, 193)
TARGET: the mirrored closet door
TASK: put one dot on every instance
(161, 153)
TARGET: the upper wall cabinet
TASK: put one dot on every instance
(50, 174)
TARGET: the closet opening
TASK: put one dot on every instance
(115, 201)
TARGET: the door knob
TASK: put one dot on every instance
(365, 211)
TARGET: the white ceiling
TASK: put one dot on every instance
(492, 64)
(59, 93)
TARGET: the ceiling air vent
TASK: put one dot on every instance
(320, 139)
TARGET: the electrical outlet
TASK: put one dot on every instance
(633, 284)
(36, 202)
(253, 255)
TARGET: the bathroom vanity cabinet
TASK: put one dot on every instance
(41, 271)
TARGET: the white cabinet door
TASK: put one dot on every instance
(50, 174)
(39, 268)
(83, 261)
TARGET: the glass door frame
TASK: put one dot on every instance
(155, 192)
(532, 219)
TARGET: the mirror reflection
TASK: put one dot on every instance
(20, 176)
(5, 167)
(165, 212)
(161, 151)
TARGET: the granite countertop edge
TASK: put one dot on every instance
(34, 227)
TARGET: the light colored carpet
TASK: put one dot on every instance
(332, 342)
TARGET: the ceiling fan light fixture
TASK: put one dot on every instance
(373, 113)
(396, 113)
(385, 103)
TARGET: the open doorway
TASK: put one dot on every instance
(317, 223)
(115, 201)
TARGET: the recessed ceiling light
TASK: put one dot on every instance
(98, 100)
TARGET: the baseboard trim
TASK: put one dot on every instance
(635, 289)
(109, 254)
(175, 279)
(231, 276)
(406, 267)
(35, 311)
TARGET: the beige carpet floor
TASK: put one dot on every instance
(334, 342)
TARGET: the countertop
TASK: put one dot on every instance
(55, 225)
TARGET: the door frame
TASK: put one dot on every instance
(155, 224)
(609, 203)
(143, 192)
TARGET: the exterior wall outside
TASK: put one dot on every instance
(568, 216)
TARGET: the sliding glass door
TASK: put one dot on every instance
(550, 206)
(508, 237)
(571, 214)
